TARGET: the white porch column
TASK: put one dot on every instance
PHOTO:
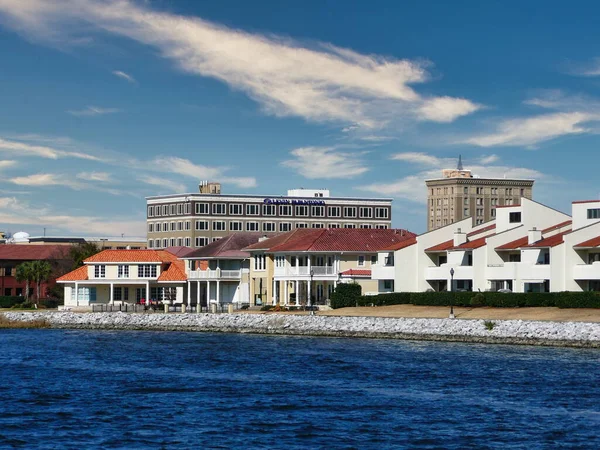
(198, 307)
(208, 295)
(111, 294)
(285, 292)
(218, 292)
(189, 294)
(274, 292)
(297, 293)
(76, 294)
(147, 291)
(309, 300)
(308, 262)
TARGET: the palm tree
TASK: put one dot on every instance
(41, 271)
(24, 273)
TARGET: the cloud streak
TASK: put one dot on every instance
(124, 76)
(28, 149)
(93, 111)
(325, 162)
(321, 83)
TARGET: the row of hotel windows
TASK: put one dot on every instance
(237, 209)
(477, 190)
(478, 201)
(221, 225)
(144, 271)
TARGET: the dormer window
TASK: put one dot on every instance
(514, 217)
(100, 271)
(593, 213)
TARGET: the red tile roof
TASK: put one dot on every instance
(334, 240)
(441, 247)
(125, 256)
(514, 245)
(476, 243)
(79, 274)
(557, 226)
(551, 241)
(228, 247)
(590, 243)
(401, 245)
(506, 206)
(356, 273)
(586, 201)
(33, 252)
(482, 230)
(175, 271)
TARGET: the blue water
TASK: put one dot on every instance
(98, 389)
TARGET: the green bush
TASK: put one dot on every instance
(348, 294)
(24, 305)
(9, 301)
(50, 303)
(492, 299)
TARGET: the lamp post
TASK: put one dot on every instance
(451, 293)
(312, 273)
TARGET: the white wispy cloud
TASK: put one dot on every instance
(533, 130)
(319, 83)
(587, 69)
(162, 182)
(22, 148)
(93, 111)
(5, 164)
(15, 211)
(54, 179)
(103, 177)
(326, 162)
(124, 76)
(413, 188)
(198, 172)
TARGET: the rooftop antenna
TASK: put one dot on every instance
(460, 165)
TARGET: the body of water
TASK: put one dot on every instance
(99, 389)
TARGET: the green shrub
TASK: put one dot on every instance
(24, 305)
(478, 299)
(489, 325)
(9, 301)
(348, 294)
(266, 307)
(50, 303)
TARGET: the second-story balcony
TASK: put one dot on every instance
(317, 271)
(587, 271)
(382, 272)
(442, 272)
(216, 274)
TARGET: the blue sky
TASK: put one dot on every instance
(106, 102)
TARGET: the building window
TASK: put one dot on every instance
(466, 201)
(318, 225)
(593, 213)
(187, 208)
(259, 262)
(349, 225)
(334, 211)
(479, 201)
(150, 227)
(165, 243)
(514, 217)
(219, 225)
(466, 212)
(381, 226)
(334, 225)
(179, 242)
(187, 225)
(150, 243)
(147, 271)
(479, 191)
(492, 212)
(361, 260)
(123, 271)
(466, 190)
(366, 212)
(268, 226)
(187, 242)
(219, 208)
(202, 208)
(236, 209)
(150, 211)
(235, 226)
(179, 226)
(201, 241)
(301, 210)
(285, 226)
(252, 210)
(301, 225)
(349, 211)
(100, 271)
(172, 242)
(179, 209)
(381, 213)
(201, 225)
(285, 210)
(173, 226)
(366, 225)
(252, 226)
(388, 285)
(318, 211)
(269, 210)
(157, 243)
(117, 293)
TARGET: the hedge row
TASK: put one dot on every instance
(494, 299)
(9, 301)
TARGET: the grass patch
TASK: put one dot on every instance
(489, 325)
(8, 323)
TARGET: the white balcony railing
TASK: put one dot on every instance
(304, 271)
(587, 271)
(217, 274)
(381, 272)
(443, 272)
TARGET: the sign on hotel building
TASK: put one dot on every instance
(459, 194)
(196, 219)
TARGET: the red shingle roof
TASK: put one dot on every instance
(334, 240)
(441, 247)
(175, 271)
(482, 230)
(125, 256)
(590, 243)
(557, 226)
(79, 274)
(228, 247)
(514, 245)
(356, 273)
(586, 201)
(29, 252)
(401, 245)
(476, 243)
(551, 241)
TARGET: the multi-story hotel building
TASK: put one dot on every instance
(459, 194)
(195, 220)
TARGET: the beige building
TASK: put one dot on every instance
(459, 194)
(195, 220)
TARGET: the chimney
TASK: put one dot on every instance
(263, 238)
(459, 237)
(534, 235)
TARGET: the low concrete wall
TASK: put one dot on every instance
(572, 334)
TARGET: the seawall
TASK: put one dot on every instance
(524, 332)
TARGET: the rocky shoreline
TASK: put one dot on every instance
(523, 332)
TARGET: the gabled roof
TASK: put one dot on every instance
(482, 230)
(551, 241)
(514, 245)
(125, 256)
(356, 273)
(401, 245)
(28, 252)
(590, 243)
(179, 251)
(334, 240)
(175, 271)
(441, 247)
(469, 245)
(558, 226)
(79, 274)
(229, 247)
